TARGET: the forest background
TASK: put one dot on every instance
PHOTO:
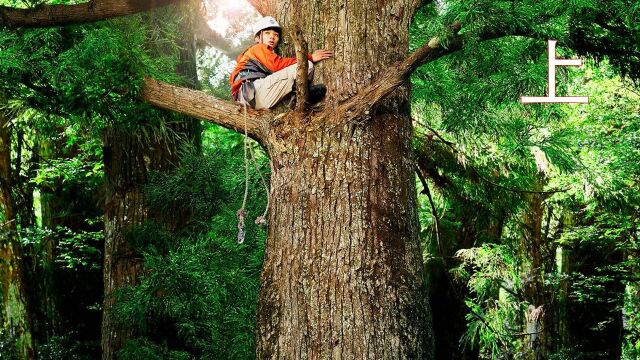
(528, 213)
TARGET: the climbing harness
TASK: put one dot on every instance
(241, 213)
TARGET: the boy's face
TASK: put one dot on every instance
(269, 37)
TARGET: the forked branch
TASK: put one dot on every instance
(389, 81)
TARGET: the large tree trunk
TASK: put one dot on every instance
(14, 315)
(127, 164)
(342, 276)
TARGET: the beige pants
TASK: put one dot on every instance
(273, 88)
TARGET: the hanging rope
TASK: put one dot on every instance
(242, 213)
(262, 219)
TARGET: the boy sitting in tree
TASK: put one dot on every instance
(265, 76)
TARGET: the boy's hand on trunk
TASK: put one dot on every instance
(320, 55)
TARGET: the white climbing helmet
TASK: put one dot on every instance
(266, 22)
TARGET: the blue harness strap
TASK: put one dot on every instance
(252, 71)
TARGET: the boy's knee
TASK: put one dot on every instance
(292, 70)
(309, 68)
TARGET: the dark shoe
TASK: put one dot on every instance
(316, 93)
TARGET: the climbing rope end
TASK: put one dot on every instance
(241, 214)
(261, 220)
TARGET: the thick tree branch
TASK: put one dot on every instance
(60, 15)
(389, 81)
(302, 77)
(201, 105)
(433, 50)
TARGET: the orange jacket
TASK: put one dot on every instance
(259, 59)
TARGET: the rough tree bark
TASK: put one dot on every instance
(14, 315)
(125, 171)
(342, 275)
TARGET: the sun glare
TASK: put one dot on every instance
(226, 11)
(231, 5)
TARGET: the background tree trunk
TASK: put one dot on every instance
(14, 316)
(343, 273)
(127, 165)
(125, 171)
(128, 161)
(539, 258)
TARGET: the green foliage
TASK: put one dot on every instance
(595, 164)
(196, 186)
(145, 349)
(599, 29)
(491, 274)
(63, 347)
(197, 299)
(631, 346)
(78, 251)
(86, 167)
(91, 73)
(485, 151)
(7, 346)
